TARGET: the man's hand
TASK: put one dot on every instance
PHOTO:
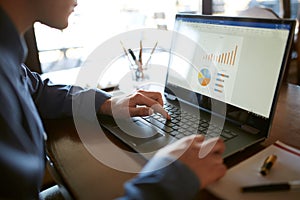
(141, 103)
(204, 158)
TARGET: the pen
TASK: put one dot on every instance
(273, 187)
(140, 69)
(153, 49)
(267, 165)
(133, 57)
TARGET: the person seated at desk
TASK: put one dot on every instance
(25, 99)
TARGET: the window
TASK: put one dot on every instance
(231, 7)
(94, 21)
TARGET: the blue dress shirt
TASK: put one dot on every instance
(25, 98)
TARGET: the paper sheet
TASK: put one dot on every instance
(286, 168)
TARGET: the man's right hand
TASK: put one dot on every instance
(203, 157)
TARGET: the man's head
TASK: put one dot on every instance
(24, 13)
(54, 13)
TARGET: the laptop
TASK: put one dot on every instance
(223, 80)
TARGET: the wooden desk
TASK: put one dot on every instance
(87, 178)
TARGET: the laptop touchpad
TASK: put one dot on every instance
(145, 131)
(137, 132)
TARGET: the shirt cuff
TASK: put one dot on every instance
(164, 178)
(100, 97)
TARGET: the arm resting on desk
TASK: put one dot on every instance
(175, 181)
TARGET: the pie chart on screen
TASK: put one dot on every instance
(204, 77)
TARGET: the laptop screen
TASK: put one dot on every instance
(235, 61)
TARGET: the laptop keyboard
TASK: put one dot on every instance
(183, 124)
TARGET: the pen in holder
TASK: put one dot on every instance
(138, 68)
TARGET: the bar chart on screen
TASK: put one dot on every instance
(220, 63)
(224, 58)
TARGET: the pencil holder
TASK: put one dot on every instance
(137, 65)
(139, 72)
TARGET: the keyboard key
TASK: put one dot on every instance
(180, 135)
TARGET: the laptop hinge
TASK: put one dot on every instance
(250, 129)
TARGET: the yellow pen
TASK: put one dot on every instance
(267, 165)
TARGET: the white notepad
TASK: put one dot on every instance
(286, 168)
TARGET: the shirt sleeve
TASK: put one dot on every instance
(172, 181)
(55, 100)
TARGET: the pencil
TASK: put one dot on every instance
(124, 49)
(153, 49)
(141, 52)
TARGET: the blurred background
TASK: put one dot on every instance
(95, 21)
